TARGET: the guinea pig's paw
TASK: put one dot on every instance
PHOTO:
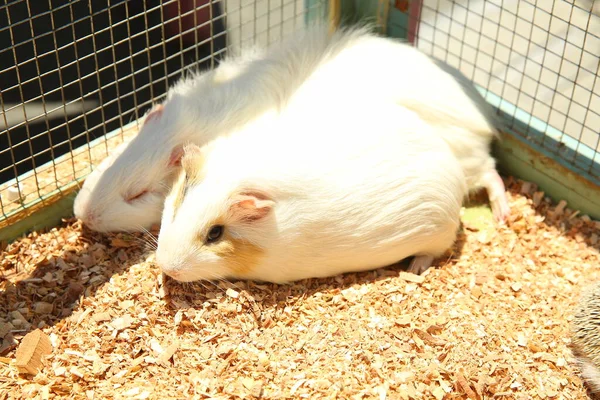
(497, 194)
(420, 264)
(500, 208)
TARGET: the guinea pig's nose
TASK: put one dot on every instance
(172, 273)
(90, 219)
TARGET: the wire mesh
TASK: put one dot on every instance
(536, 61)
(75, 76)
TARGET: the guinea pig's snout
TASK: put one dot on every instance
(170, 265)
(172, 270)
(90, 219)
(172, 273)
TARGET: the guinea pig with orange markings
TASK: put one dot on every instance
(350, 188)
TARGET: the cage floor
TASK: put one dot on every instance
(491, 319)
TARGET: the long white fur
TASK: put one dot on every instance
(355, 188)
(351, 63)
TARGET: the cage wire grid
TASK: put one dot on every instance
(76, 76)
(535, 61)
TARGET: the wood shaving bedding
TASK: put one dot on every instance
(490, 320)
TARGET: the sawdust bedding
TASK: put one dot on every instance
(489, 321)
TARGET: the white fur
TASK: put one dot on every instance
(352, 63)
(131, 215)
(355, 187)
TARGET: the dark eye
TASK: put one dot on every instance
(214, 234)
(136, 197)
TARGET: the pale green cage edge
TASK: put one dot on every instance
(515, 156)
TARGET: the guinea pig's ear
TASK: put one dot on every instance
(191, 160)
(155, 113)
(176, 154)
(191, 149)
(250, 206)
(180, 151)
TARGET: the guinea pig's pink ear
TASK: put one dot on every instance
(155, 113)
(176, 154)
(250, 206)
(181, 151)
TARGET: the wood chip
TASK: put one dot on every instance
(77, 372)
(429, 339)
(33, 347)
(73, 292)
(464, 385)
(123, 322)
(120, 242)
(41, 307)
(5, 328)
(407, 276)
(101, 317)
(166, 355)
(403, 320)
(255, 387)
(438, 393)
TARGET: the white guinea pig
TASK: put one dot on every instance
(352, 63)
(351, 188)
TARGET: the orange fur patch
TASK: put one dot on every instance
(245, 257)
(241, 256)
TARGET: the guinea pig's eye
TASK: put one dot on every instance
(215, 233)
(136, 196)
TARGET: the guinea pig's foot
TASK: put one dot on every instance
(500, 209)
(420, 264)
(497, 195)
